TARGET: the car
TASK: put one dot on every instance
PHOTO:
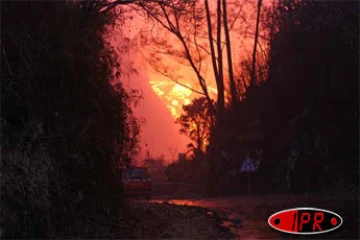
(136, 182)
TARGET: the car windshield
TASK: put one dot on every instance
(136, 173)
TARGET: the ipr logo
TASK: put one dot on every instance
(305, 221)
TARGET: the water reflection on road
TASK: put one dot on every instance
(247, 216)
(243, 217)
(186, 202)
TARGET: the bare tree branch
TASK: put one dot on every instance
(253, 69)
(234, 97)
(195, 41)
(211, 42)
(236, 18)
(174, 79)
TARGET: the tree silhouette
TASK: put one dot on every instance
(66, 120)
(196, 122)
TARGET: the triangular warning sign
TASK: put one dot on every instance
(248, 165)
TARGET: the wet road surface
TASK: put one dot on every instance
(247, 216)
(238, 218)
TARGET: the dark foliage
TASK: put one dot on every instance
(196, 122)
(305, 116)
(66, 122)
(314, 71)
(192, 170)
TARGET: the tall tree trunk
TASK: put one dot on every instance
(233, 91)
(211, 41)
(213, 57)
(253, 68)
(214, 171)
(220, 84)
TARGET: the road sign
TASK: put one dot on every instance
(248, 165)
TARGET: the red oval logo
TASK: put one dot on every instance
(305, 221)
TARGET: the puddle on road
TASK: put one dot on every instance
(231, 221)
(241, 225)
(178, 202)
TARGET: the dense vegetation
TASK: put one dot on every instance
(66, 121)
(308, 107)
(301, 123)
(67, 126)
(310, 125)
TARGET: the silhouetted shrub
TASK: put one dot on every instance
(66, 121)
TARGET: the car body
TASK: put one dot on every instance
(136, 182)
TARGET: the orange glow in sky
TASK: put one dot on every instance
(173, 95)
(159, 132)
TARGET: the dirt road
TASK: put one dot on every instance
(247, 216)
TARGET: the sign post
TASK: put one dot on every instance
(248, 166)
(249, 185)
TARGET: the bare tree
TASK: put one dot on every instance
(103, 6)
(200, 38)
(181, 19)
(233, 91)
(253, 70)
(202, 31)
(220, 82)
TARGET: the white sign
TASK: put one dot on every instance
(248, 165)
